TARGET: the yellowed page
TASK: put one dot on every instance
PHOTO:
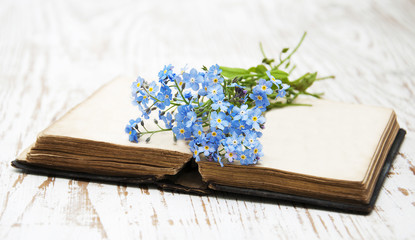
(103, 117)
(328, 139)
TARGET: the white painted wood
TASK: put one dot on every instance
(53, 54)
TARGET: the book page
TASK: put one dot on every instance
(328, 139)
(103, 117)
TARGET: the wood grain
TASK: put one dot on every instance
(53, 54)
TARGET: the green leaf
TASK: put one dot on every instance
(261, 69)
(276, 71)
(279, 74)
(234, 72)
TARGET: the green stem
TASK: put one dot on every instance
(151, 96)
(295, 49)
(180, 91)
(328, 77)
(156, 131)
(262, 50)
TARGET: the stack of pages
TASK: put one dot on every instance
(330, 154)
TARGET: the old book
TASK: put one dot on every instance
(330, 154)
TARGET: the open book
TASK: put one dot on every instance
(329, 154)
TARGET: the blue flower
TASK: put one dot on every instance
(181, 131)
(216, 156)
(153, 88)
(136, 86)
(218, 120)
(215, 79)
(166, 118)
(142, 97)
(207, 148)
(164, 100)
(183, 69)
(257, 150)
(182, 112)
(250, 139)
(235, 85)
(191, 119)
(240, 113)
(198, 133)
(195, 150)
(204, 89)
(231, 156)
(215, 135)
(165, 90)
(166, 73)
(188, 95)
(272, 78)
(164, 96)
(215, 92)
(255, 119)
(263, 86)
(260, 98)
(214, 70)
(223, 105)
(245, 157)
(145, 113)
(192, 79)
(239, 126)
(179, 80)
(282, 92)
(131, 129)
(233, 142)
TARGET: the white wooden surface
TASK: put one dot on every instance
(53, 54)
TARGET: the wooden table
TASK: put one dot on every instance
(53, 54)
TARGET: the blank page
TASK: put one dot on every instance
(103, 117)
(329, 139)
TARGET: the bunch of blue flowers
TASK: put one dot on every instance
(220, 118)
(219, 110)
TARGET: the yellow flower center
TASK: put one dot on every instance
(182, 131)
(167, 96)
(215, 80)
(259, 97)
(214, 134)
(214, 91)
(230, 154)
(180, 83)
(165, 71)
(129, 133)
(195, 152)
(150, 89)
(235, 142)
(199, 132)
(219, 120)
(264, 87)
(206, 147)
(254, 119)
(243, 157)
(138, 84)
(255, 150)
(145, 97)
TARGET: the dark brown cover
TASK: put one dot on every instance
(178, 183)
